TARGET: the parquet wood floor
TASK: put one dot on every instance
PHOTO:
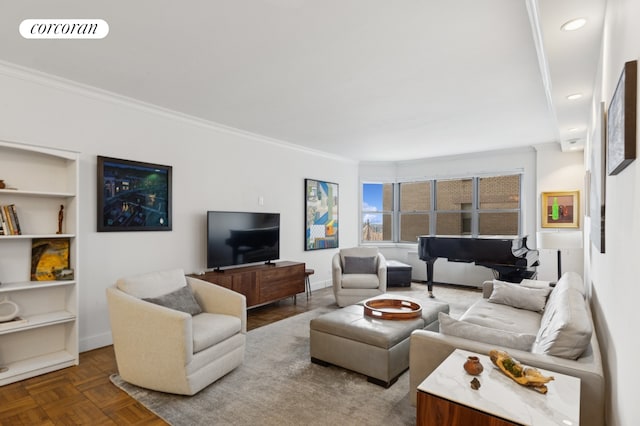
(83, 395)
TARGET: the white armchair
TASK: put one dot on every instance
(167, 350)
(358, 273)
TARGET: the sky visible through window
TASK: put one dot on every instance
(371, 202)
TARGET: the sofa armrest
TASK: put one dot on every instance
(382, 272)
(220, 300)
(336, 271)
(141, 330)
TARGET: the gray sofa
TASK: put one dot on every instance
(560, 337)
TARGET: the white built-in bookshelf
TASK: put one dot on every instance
(38, 181)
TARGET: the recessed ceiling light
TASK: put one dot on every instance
(573, 129)
(574, 96)
(573, 24)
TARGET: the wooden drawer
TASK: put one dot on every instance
(281, 282)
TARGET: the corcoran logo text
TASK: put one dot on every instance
(64, 28)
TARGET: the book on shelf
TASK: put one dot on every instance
(15, 218)
(10, 221)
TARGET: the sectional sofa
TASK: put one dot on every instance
(540, 326)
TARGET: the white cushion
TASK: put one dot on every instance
(502, 317)
(153, 284)
(210, 329)
(572, 280)
(531, 299)
(360, 281)
(478, 333)
(565, 328)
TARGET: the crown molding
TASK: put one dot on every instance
(51, 81)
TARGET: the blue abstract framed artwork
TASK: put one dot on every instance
(321, 215)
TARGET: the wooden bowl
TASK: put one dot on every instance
(392, 309)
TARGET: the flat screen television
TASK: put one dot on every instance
(239, 238)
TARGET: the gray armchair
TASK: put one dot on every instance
(358, 273)
(168, 350)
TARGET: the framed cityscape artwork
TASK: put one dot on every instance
(321, 214)
(133, 196)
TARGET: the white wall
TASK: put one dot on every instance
(614, 274)
(212, 169)
(504, 161)
(560, 171)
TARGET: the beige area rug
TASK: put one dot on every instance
(278, 385)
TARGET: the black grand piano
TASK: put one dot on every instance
(509, 257)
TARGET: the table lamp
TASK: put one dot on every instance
(558, 240)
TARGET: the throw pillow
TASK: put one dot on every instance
(359, 265)
(532, 299)
(182, 300)
(466, 330)
(565, 328)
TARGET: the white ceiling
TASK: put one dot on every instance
(365, 79)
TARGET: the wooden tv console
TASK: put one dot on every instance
(261, 284)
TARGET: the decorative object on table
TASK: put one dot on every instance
(473, 365)
(60, 219)
(9, 310)
(621, 121)
(2, 184)
(3, 369)
(560, 209)
(475, 383)
(392, 309)
(321, 214)
(48, 255)
(133, 196)
(526, 376)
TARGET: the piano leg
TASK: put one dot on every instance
(430, 276)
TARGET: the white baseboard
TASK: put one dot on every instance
(96, 341)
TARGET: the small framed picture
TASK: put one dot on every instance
(560, 209)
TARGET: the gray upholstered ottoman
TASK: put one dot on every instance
(376, 348)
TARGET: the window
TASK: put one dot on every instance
(454, 202)
(377, 211)
(401, 212)
(499, 205)
(415, 210)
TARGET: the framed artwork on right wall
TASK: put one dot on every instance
(621, 121)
